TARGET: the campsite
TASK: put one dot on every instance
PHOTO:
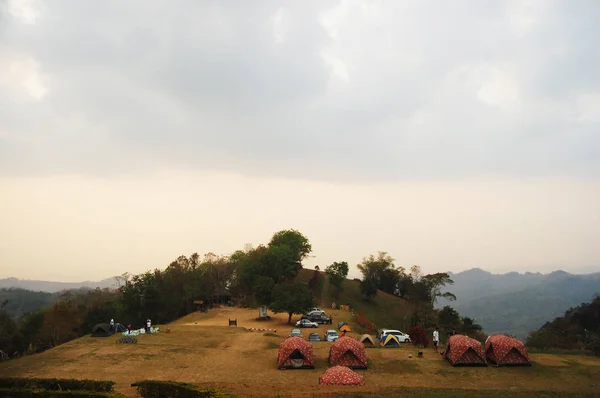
(202, 348)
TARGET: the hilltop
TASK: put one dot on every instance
(385, 310)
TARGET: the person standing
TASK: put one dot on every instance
(112, 325)
(129, 329)
(148, 326)
(436, 339)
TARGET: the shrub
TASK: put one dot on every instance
(57, 384)
(29, 393)
(127, 340)
(160, 389)
(418, 336)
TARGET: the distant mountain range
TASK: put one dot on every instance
(53, 287)
(518, 303)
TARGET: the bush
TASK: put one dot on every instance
(29, 393)
(57, 384)
(160, 389)
(418, 336)
(127, 340)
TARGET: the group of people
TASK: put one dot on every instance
(147, 328)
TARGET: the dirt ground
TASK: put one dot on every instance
(200, 348)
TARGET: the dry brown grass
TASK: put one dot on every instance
(202, 349)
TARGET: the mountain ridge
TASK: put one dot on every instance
(53, 287)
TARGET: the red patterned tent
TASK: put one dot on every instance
(341, 375)
(504, 350)
(295, 353)
(347, 351)
(464, 351)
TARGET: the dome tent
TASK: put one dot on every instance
(347, 351)
(295, 353)
(102, 330)
(341, 375)
(504, 350)
(464, 351)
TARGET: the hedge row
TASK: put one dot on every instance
(33, 393)
(57, 384)
(161, 389)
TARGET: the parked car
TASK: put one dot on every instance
(315, 312)
(305, 323)
(296, 333)
(314, 337)
(402, 337)
(331, 335)
(319, 319)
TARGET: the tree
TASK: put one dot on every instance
(381, 271)
(291, 298)
(337, 273)
(368, 288)
(263, 290)
(449, 318)
(298, 243)
(434, 284)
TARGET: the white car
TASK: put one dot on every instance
(305, 323)
(331, 335)
(402, 337)
(315, 311)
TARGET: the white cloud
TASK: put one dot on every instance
(25, 11)
(588, 108)
(278, 26)
(23, 74)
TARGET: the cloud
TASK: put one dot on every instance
(350, 90)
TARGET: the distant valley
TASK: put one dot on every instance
(518, 303)
(53, 287)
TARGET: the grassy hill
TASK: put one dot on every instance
(385, 310)
(200, 348)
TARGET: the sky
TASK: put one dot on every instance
(451, 135)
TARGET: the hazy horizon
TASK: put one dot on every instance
(452, 136)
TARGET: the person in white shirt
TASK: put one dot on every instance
(148, 326)
(112, 324)
(436, 338)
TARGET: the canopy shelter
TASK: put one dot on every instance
(345, 328)
(506, 351)
(295, 353)
(347, 351)
(341, 375)
(464, 351)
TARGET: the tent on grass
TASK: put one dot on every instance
(102, 330)
(347, 351)
(341, 375)
(464, 351)
(390, 341)
(367, 340)
(119, 327)
(295, 353)
(504, 350)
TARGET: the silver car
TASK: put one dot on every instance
(296, 333)
(331, 335)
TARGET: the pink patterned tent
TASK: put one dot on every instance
(464, 351)
(504, 350)
(341, 375)
(295, 353)
(347, 351)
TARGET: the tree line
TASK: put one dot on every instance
(264, 276)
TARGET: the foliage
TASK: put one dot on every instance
(368, 288)
(337, 273)
(57, 384)
(361, 319)
(579, 328)
(160, 389)
(379, 272)
(291, 298)
(29, 393)
(263, 288)
(17, 301)
(418, 336)
(449, 318)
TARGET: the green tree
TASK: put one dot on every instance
(337, 273)
(291, 298)
(449, 318)
(263, 290)
(381, 272)
(368, 288)
(434, 283)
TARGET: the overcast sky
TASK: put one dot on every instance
(452, 134)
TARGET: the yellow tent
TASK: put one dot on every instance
(390, 341)
(345, 328)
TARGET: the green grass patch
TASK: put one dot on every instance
(271, 346)
(269, 334)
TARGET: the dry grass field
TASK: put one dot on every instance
(202, 349)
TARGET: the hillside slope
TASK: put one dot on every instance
(385, 310)
(518, 303)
